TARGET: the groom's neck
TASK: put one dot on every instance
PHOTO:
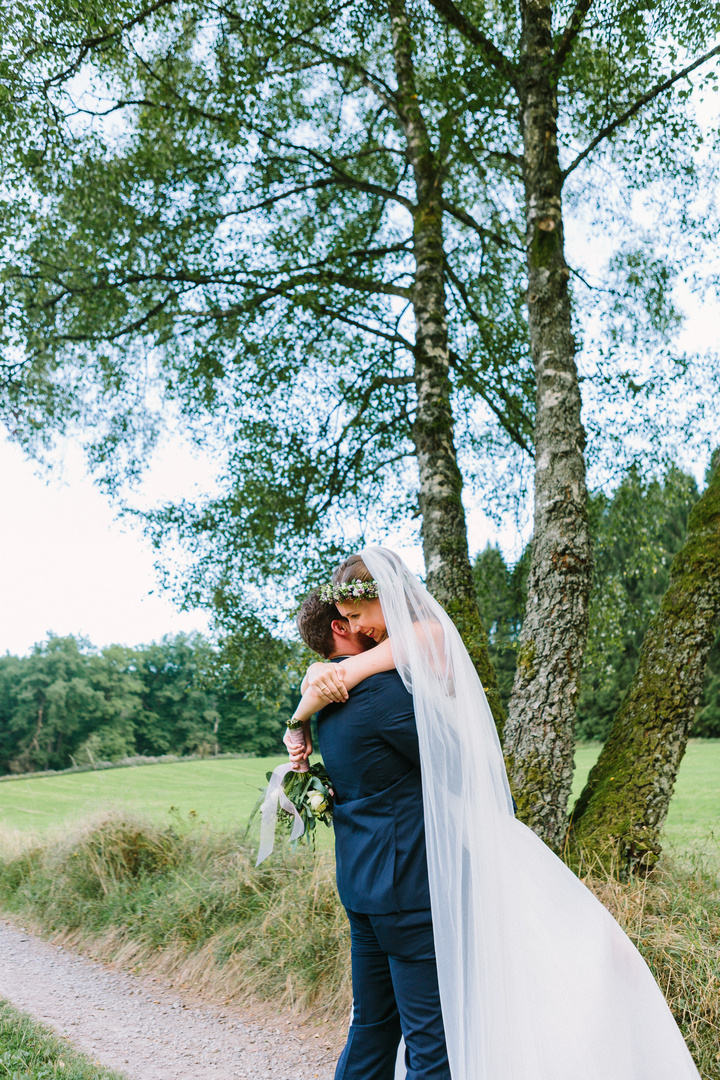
(347, 648)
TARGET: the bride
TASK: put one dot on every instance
(537, 981)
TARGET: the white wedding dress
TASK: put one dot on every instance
(537, 980)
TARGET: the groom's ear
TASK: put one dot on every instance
(339, 626)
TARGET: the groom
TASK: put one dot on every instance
(369, 745)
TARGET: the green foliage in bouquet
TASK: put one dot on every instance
(312, 796)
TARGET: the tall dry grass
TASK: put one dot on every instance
(674, 919)
(186, 902)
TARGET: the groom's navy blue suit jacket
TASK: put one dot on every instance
(370, 748)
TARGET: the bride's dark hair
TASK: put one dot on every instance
(351, 569)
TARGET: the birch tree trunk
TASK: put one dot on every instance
(620, 813)
(539, 734)
(444, 528)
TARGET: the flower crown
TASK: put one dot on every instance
(349, 590)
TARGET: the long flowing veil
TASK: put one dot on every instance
(537, 980)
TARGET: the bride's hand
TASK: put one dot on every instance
(299, 746)
(327, 680)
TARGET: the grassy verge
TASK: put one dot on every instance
(186, 902)
(31, 1052)
(674, 919)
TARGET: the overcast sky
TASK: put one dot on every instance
(68, 565)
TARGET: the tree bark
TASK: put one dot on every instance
(539, 734)
(444, 528)
(620, 813)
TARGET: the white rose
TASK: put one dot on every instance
(318, 803)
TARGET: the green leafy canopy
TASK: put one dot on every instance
(214, 220)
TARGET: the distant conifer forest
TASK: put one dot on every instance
(637, 531)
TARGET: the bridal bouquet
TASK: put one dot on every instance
(299, 798)
(311, 795)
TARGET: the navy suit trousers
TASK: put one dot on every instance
(395, 991)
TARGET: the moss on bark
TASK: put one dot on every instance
(539, 735)
(619, 815)
(444, 529)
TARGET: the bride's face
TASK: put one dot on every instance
(364, 617)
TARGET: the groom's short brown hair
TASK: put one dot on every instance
(314, 622)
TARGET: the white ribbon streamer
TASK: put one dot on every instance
(269, 810)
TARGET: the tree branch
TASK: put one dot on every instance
(88, 44)
(374, 189)
(233, 18)
(605, 132)
(346, 179)
(378, 86)
(342, 280)
(571, 31)
(467, 219)
(394, 338)
(475, 384)
(488, 49)
(123, 331)
(337, 480)
(271, 200)
(357, 254)
(181, 277)
(362, 285)
(479, 320)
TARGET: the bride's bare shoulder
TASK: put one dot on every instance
(429, 632)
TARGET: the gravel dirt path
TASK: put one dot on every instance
(150, 1031)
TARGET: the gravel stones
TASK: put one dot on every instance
(150, 1031)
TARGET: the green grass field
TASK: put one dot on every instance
(223, 793)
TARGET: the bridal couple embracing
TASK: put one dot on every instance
(469, 937)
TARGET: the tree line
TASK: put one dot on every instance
(68, 703)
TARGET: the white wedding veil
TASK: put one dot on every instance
(537, 980)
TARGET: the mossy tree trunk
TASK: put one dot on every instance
(539, 734)
(539, 740)
(444, 528)
(620, 813)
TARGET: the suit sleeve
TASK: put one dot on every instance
(396, 719)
